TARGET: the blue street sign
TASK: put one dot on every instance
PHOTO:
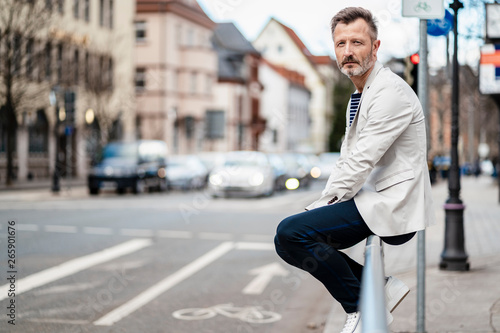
(440, 27)
(68, 130)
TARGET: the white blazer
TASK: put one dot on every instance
(383, 159)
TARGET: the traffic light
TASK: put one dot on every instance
(411, 71)
(69, 105)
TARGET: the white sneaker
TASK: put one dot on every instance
(352, 323)
(395, 292)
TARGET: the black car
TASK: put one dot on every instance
(138, 165)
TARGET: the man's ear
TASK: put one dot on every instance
(376, 46)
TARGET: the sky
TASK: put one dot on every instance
(310, 20)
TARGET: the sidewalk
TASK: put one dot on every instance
(455, 301)
(42, 184)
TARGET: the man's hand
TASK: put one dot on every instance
(333, 200)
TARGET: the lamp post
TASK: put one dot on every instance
(454, 257)
(54, 100)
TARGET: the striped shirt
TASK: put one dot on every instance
(355, 99)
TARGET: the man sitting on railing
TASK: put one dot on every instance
(380, 184)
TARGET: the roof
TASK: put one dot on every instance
(189, 9)
(314, 59)
(292, 76)
(231, 47)
(227, 36)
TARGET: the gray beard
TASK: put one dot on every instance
(365, 65)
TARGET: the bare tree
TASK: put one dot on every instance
(22, 23)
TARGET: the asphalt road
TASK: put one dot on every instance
(172, 262)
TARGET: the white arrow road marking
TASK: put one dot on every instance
(74, 266)
(264, 275)
(164, 285)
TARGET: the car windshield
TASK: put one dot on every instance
(119, 150)
(244, 160)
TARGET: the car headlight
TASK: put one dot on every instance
(256, 179)
(108, 171)
(215, 179)
(292, 184)
(162, 173)
(315, 172)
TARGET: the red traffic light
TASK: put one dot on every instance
(415, 59)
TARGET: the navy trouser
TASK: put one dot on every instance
(311, 240)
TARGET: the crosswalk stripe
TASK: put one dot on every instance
(74, 266)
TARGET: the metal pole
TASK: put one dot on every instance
(56, 187)
(454, 257)
(422, 95)
(372, 299)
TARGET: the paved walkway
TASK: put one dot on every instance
(455, 301)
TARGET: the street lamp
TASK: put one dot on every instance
(454, 257)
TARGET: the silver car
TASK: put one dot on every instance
(242, 173)
(186, 172)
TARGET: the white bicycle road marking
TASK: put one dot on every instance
(164, 285)
(249, 314)
(74, 266)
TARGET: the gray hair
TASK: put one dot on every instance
(351, 14)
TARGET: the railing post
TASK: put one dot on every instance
(372, 299)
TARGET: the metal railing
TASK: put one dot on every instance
(372, 299)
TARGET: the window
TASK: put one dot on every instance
(193, 84)
(101, 13)
(106, 13)
(17, 54)
(76, 9)
(140, 79)
(110, 73)
(60, 6)
(39, 134)
(48, 61)
(174, 80)
(215, 124)
(29, 58)
(59, 62)
(87, 69)
(190, 37)
(87, 10)
(76, 66)
(110, 14)
(140, 31)
(178, 34)
(208, 84)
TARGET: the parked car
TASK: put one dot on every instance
(211, 159)
(186, 172)
(280, 176)
(298, 169)
(243, 173)
(138, 165)
(326, 163)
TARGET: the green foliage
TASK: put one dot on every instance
(342, 91)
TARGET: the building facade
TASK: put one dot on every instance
(285, 106)
(281, 46)
(176, 70)
(76, 76)
(238, 91)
